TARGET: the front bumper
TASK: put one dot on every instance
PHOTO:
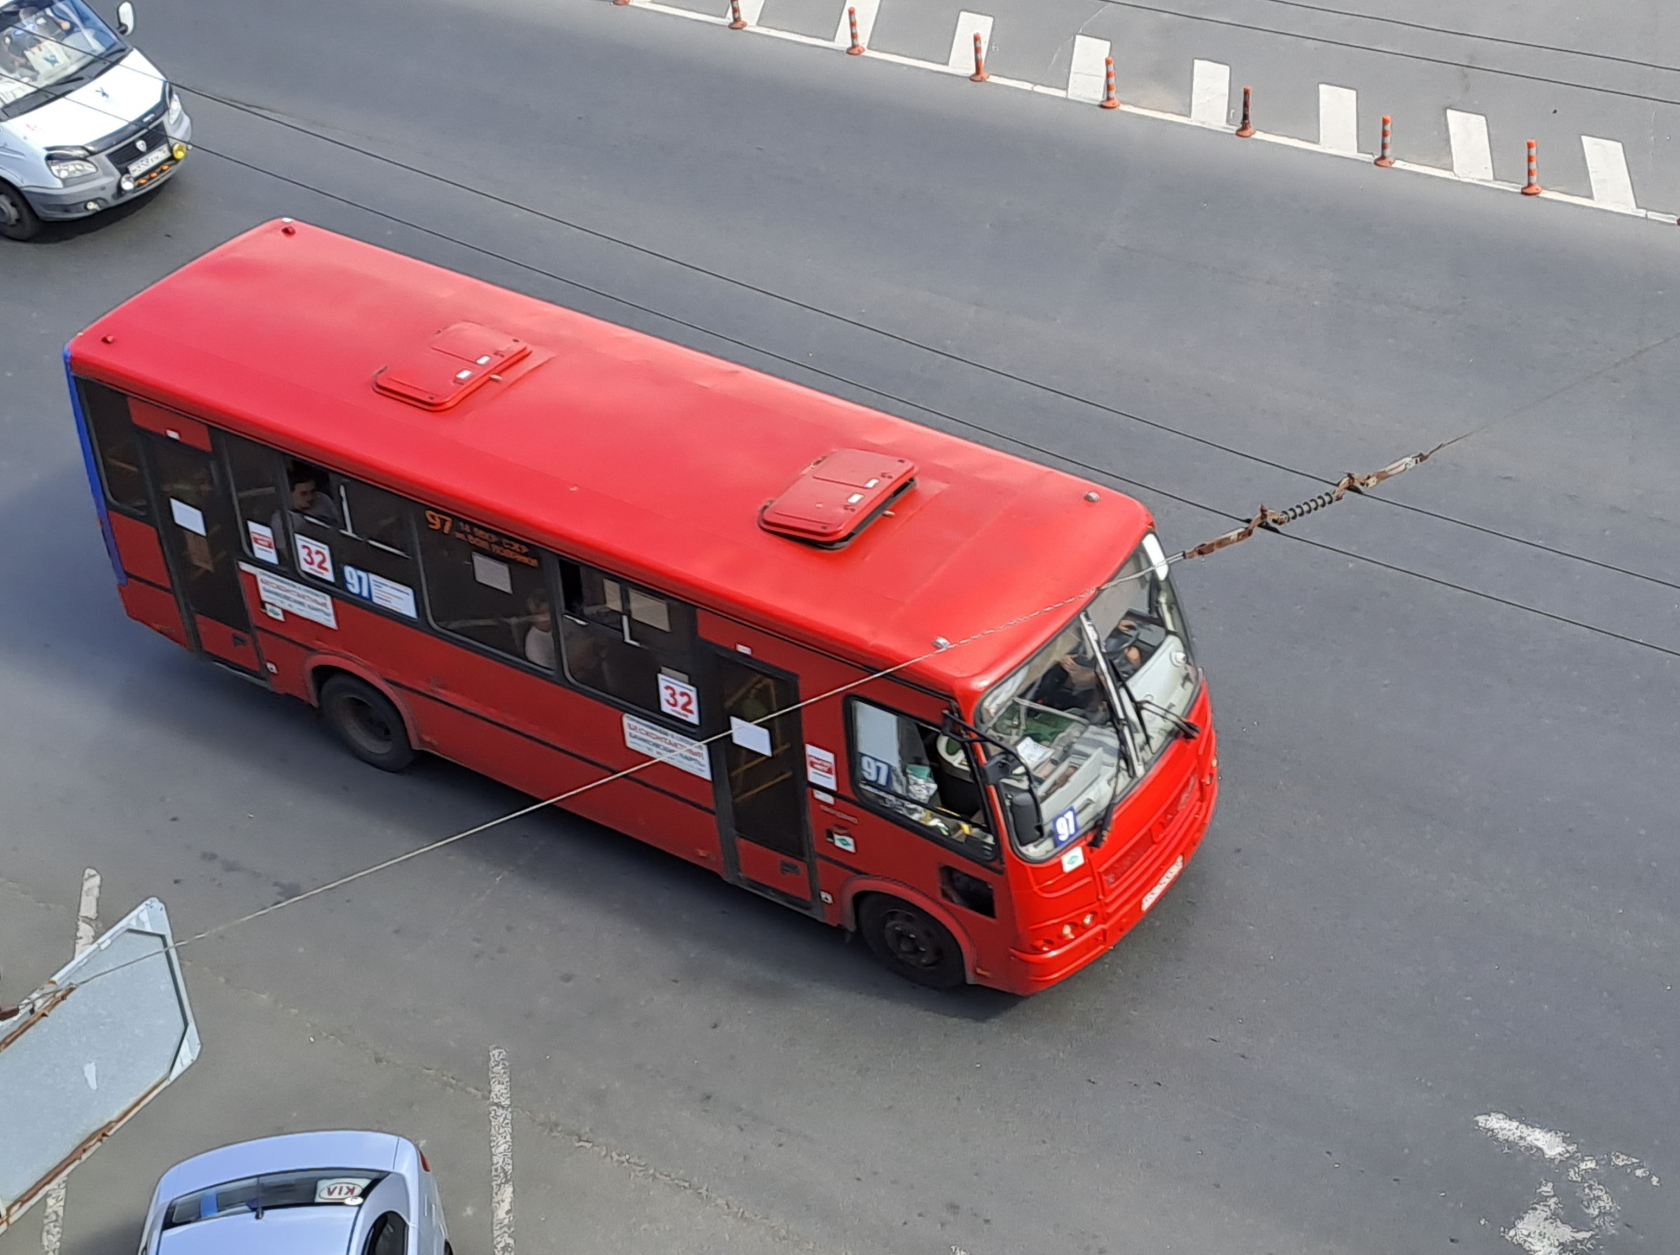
(105, 190)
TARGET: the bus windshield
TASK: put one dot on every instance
(1057, 712)
(46, 43)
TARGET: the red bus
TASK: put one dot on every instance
(463, 521)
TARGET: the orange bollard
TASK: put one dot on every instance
(979, 75)
(1383, 159)
(1109, 100)
(1247, 127)
(856, 50)
(1532, 187)
(621, 1)
(740, 23)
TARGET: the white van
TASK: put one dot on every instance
(86, 122)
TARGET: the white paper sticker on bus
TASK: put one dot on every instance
(667, 746)
(187, 516)
(819, 768)
(750, 736)
(284, 595)
(679, 700)
(314, 558)
(262, 542)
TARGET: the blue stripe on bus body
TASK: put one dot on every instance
(92, 467)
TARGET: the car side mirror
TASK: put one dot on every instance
(125, 18)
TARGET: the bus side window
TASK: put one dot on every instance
(619, 639)
(116, 445)
(351, 535)
(486, 587)
(256, 491)
(914, 774)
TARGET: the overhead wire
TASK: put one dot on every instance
(911, 342)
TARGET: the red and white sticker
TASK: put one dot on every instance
(314, 558)
(262, 542)
(340, 1189)
(679, 700)
(819, 768)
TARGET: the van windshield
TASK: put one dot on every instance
(45, 45)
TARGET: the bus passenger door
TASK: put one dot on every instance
(196, 521)
(758, 773)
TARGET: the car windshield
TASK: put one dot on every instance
(314, 1187)
(1057, 715)
(45, 45)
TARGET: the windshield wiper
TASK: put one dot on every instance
(1189, 731)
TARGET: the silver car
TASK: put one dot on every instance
(335, 1193)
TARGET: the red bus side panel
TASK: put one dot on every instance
(534, 768)
(223, 642)
(155, 608)
(137, 546)
(167, 423)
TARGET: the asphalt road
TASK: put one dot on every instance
(1441, 881)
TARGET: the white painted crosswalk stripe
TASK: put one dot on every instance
(1338, 118)
(1088, 72)
(1210, 93)
(1607, 169)
(962, 42)
(1472, 155)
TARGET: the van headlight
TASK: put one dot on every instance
(67, 167)
(175, 110)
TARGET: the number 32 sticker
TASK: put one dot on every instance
(679, 700)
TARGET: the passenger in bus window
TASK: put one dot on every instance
(539, 637)
(310, 499)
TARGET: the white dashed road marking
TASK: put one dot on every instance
(1338, 118)
(501, 1154)
(1607, 168)
(1549, 1226)
(1471, 153)
(87, 926)
(1088, 73)
(1210, 93)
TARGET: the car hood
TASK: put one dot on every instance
(283, 1231)
(108, 103)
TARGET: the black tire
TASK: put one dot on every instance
(366, 721)
(18, 219)
(911, 942)
(448, 1249)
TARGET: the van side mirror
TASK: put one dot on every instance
(125, 18)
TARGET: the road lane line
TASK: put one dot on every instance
(87, 925)
(751, 10)
(1088, 73)
(501, 1154)
(866, 11)
(1472, 155)
(1607, 168)
(1210, 93)
(962, 42)
(1338, 118)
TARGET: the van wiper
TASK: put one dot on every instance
(1189, 731)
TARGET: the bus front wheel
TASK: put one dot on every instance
(911, 942)
(366, 721)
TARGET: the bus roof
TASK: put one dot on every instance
(618, 448)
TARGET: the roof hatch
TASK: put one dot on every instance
(455, 362)
(837, 496)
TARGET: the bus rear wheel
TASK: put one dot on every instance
(911, 942)
(366, 721)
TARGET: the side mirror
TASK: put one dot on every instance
(125, 18)
(1024, 817)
